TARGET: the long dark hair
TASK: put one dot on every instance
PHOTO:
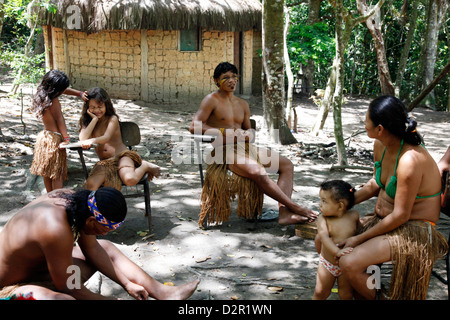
(110, 202)
(100, 95)
(391, 113)
(52, 86)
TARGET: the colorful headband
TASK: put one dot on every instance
(92, 204)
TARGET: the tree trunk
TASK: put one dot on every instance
(333, 97)
(313, 17)
(406, 48)
(273, 72)
(292, 114)
(435, 17)
(430, 87)
(374, 26)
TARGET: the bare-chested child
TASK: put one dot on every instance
(99, 124)
(336, 223)
(38, 257)
(49, 160)
(226, 116)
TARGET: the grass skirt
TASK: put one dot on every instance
(109, 167)
(415, 246)
(49, 160)
(222, 186)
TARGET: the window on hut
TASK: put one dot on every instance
(190, 40)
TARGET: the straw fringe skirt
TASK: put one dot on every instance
(221, 187)
(49, 161)
(110, 168)
(415, 246)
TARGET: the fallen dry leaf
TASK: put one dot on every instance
(275, 289)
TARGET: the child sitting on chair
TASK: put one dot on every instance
(335, 224)
(99, 124)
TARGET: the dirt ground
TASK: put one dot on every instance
(235, 260)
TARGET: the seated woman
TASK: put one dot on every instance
(99, 124)
(407, 183)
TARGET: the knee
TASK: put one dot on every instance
(286, 165)
(348, 265)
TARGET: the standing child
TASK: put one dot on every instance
(336, 223)
(49, 160)
(99, 124)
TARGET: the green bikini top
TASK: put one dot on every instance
(391, 188)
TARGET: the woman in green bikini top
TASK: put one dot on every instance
(391, 188)
(406, 183)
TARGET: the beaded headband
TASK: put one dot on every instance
(92, 204)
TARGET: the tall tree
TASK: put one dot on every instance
(333, 97)
(313, 17)
(273, 72)
(374, 26)
(290, 109)
(406, 46)
(435, 16)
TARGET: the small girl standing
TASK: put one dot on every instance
(335, 224)
(99, 124)
(49, 160)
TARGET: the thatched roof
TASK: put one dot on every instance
(97, 15)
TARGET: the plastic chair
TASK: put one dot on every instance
(131, 136)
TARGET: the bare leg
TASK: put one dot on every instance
(95, 181)
(324, 283)
(48, 184)
(289, 212)
(355, 264)
(136, 275)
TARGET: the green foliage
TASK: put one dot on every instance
(316, 42)
(26, 69)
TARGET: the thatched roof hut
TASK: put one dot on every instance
(153, 50)
(221, 15)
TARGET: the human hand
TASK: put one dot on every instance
(84, 96)
(343, 252)
(349, 243)
(138, 292)
(93, 116)
(86, 144)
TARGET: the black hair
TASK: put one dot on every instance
(224, 67)
(100, 95)
(110, 202)
(52, 86)
(340, 190)
(391, 113)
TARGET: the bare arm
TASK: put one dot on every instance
(73, 92)
(444, 163)
(100, 258)
(86, 132)
(57, 246)
(408, 181)
(322, 231)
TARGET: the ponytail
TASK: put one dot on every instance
(391, 113)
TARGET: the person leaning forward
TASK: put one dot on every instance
(38, 255)
(226, 116)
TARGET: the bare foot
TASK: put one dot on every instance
(288, 217)
(179, 292)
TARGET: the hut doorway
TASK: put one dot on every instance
(238, 60)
